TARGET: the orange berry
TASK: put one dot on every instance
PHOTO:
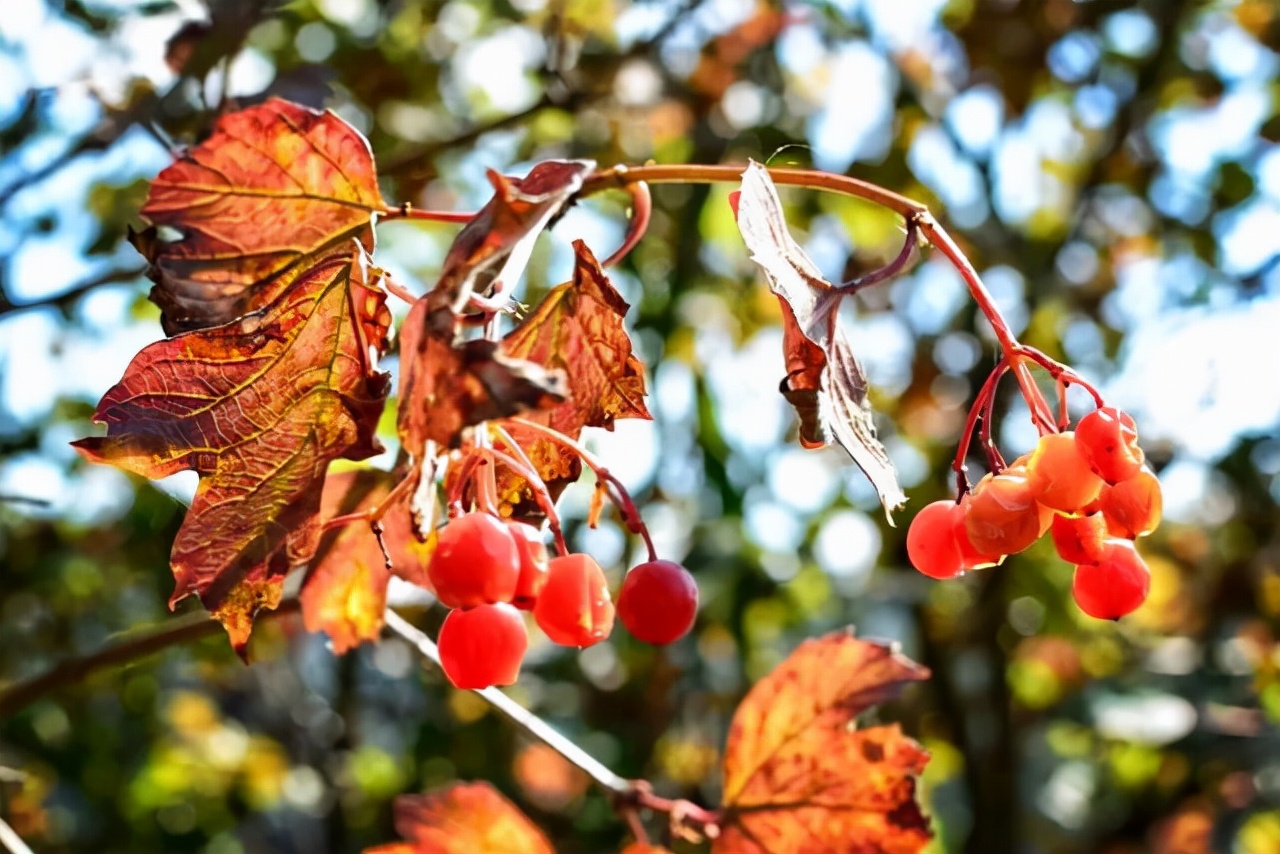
(1002, 517)
(1133, 507)
(1108, 439)
(1059, 474)
(1079, 539)
(1115, 585)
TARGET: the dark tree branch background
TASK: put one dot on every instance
(1111, 167)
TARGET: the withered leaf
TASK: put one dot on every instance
(258, 408)
(799, 777)
(495, 245)
(824, 381)
(446, 387)
(578, 329)
(463, 818)
(271, 187)
(345, 591)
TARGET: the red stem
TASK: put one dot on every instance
(641, 211)
(408, 211)
(540, 493)
(617, 492)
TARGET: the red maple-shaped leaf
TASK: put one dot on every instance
(463, 818)
(272, 186)
(799, 777)
(345, 591)
(824, 381)
(258, 407)
(577, 329)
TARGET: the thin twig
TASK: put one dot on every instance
(517, 714)
(190, 627)
(10, 839)
(25, 499)
(65, 299)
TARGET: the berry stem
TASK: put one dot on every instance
(626, 794)
(540, 493)
(985, 394)
(641, 211)
(893, 268)
(374, 514)
(617, 492)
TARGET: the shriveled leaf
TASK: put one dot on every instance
(258, 408)
(495, 245)
(345, 591)
(578, 329)
(824, 381)
(274, 185)
(463, 818)
(445, 387)
(799, 777)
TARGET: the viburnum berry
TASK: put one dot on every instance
(483, 646)
(1002, 517)
(574, 608)
(1133, 506)
(938, 545)
(476, 561)
(1114, 586)
(1079, 539)
(1059, 475)
(533, 565)
(1108, 440)
(658, 601)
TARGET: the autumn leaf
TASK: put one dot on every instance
(578, 328)
(798, 776)
(446, 387)
(824, 381)
(495, 245)
(463, 818)
(258, 408)
(345, 591)
(274, 185)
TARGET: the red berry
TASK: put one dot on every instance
(1114, 586)
(1060, 476)
(483, 646)
(658, 601)
(574, 608)
(533, 565)
(1108, 440)
(1133, 507)
(932, 546)
(476, 561)
(1079, 539)
(1002, 517)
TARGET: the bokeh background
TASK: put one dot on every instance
(1113, 168)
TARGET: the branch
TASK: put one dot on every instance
(19, 695)
(12, 842)
(627, 795)
(65, 299)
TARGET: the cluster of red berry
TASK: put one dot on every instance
(487, 570)
(1088, 489)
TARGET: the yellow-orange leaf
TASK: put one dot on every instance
(273, 185)
(463, 818)
(345, 592)
(258, 407)
(799, 777)
(578, 329)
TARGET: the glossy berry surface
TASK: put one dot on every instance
(483, 646)
(1001, 516)
(1079, 539)
(1114, 586)
(932, 546)
(1108, 440)
(1060, 476)
(574, 608)
(476, 562)
(1133, 507)
(658, 602)
(533, 565)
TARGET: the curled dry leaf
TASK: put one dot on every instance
(577, 329)
(258, 407)
(463, 818)
(824, 381)
(273, 186)
(799, 777)
(345, 591)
